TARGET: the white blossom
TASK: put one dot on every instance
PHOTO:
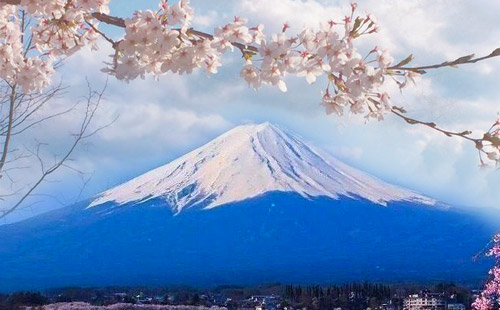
(251, 75)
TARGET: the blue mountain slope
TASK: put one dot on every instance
(273, 237)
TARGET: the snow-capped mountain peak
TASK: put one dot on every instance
(246, 162)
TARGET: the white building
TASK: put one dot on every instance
(426, 301)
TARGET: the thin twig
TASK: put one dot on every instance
(469, 59)
(9, 128)
(94, 28)
(92, 107)
(412, 121)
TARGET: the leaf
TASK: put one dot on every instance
(357, 23)
(355, 27)
(495, 141)
(463, 59)
(248, 55)
(495, 53)
(405, 61)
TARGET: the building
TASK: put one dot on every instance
(425, 301)
(387, 306)
(456, 306)
(265, 302)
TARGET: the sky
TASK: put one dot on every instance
(157, 121)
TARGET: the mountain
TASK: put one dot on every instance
(254, 205)
(249, 161)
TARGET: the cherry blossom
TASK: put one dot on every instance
(482, 303)
(120, 306)
(491, 290)
(235, 32)
(251, 75)
(489, 146)
(58, 29)
(159, 41)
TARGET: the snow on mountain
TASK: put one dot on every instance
(246, 162)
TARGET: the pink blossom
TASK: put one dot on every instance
(482, 303)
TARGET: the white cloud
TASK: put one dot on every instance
(208, 20)
(147, 125)
(298, 14)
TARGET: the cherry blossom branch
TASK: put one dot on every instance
(114, 44)
(469, 59)
(120, 22)
(110, 20)
(242, 47)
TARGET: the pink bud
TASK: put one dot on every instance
(285, 27)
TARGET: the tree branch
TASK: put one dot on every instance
(13, 2)
(94, 28)
(90, 113)
(110, 20)
(120, 22)
(9, 128)
(469, 59)
(399, 112)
